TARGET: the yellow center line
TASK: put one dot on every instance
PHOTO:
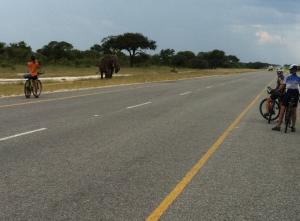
(177, 190)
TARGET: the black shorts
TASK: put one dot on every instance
(276, 94)
(35, 77)
(287, 98)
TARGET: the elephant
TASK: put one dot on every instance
(108, 64)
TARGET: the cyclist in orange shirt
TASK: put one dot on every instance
(33, 66)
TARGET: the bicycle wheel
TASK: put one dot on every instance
(262, 108)
(27, 90)
(39, 90)
(274, 111)
(287, 118)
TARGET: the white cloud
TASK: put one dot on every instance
(265, 37)
(258, 26)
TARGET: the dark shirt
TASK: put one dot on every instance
(281, 78)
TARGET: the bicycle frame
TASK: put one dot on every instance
(29, 87)
(289, 113)
(31, 84)
(274, 105)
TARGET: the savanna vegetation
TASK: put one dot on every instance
(134, 44)
(129, 75)
(62, 59)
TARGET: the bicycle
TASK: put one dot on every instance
(274, 109)
(29, 86)
(289, 113)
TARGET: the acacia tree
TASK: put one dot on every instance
(19, 52)
(96, 47)
(155, 59)
(181, 58)
(56, 50)
(188, 54)
(232, 59)
(2, 48)
(214, 58)
(134, 43)
(166, 55)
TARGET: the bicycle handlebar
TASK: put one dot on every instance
(29, 75)
(269, 90)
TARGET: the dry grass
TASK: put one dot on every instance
(51, 71)
(137, 75)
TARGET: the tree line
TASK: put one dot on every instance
(135, 44)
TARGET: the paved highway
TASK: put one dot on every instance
(193, 149)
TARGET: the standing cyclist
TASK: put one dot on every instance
(33, 66)
(291, 83)
(276, 92)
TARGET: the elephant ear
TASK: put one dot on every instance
(113, 59)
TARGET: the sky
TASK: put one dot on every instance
(253, 30)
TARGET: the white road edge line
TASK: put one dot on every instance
(185, 93)
(17, 135)
(140, 105)
(223, 84)
(209, 87)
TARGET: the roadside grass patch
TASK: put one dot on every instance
(134, 75)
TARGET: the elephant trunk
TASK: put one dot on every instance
(117, 68)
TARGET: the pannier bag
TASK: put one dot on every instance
(27, 76)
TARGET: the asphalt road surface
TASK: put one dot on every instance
(193, 149)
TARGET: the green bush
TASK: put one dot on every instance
(5, 65)
(174, 70)
(77, 63)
